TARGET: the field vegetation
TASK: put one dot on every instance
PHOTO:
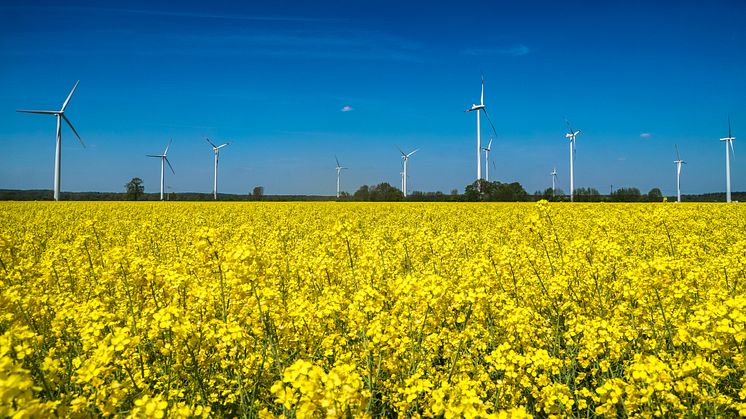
(356, 309)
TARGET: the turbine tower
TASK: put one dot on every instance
(58, 150)
(405, 159)
(554, 180)
(571, 136)
(728, 140)
(678, 162)
(477, 108)
(163, 159)
(339, 173)
(216, 151)
(487, 160)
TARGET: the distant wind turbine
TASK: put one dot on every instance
(487, 160)
(554, 180)
(58, 151)
(339, 173)
(571, 136)
(728, 140)
(477, 108)
(163, 159)
(405, 159)
(216, 151)
(678, 162)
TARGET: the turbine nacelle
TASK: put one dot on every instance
(215, 148)
(474, 108)
(489, 146)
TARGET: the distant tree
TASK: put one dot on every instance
(475, 191)
(553, 195)
(257, 193)
(362, 194)
(454, 192)
(482, 190)
(655, 195)
(384, 192)
(344, 196)
(508, 192)
(587, 195)
(135, 188)
(626, 195)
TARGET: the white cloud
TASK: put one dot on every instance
(347, 108)
(646, 135)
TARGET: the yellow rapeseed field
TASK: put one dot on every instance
(329, 309)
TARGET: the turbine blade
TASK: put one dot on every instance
(154, 155)
(64, 105)
(223, 145)
(490, 121)
(72, 128)
(210, 142)
(569, 126)
(169, 145)
(729, 126)
(481, 98)
(169, 164)
(413, 152)
(732, 149)
(337, 160)
(677, 152)
(400, 150)
(489, 146)
(41, 112)
(574, 152)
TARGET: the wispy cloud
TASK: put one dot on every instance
(172, 13)
(646, 135)
(347, 108)
(516, 51)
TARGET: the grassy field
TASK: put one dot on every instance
(328, 309)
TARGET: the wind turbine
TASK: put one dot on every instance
(477, 108)
(554, 180)
(487, 160)
(163, 159)
(216, 151)
(405, 159)
(339, 173)
(571, 136)
(58, 150)
(728, 140)
(678, 162)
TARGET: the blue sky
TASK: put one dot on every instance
(275, 78)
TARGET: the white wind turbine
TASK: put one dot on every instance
(487, 160)
(58, 150)
(405, 159)
(554, 180)
(477, 108)
(571, 136)
(728, 140)
(216, 151)
(678, 162)
(163, 159)
(339, 173)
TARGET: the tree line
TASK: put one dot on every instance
(478, 191)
